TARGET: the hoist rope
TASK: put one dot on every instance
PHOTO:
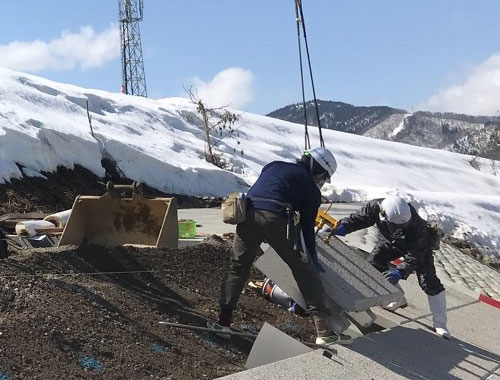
(307, 142)
(299, 14)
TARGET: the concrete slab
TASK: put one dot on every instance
(416, 353)
(477, 324)
(405, 352)
(494, 376)
(273, 266)
(273, 345)
(304, 367)
(350, 280)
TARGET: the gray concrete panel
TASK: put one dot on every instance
(350, 280)
(404, 352)
(315, 366)
(273, 266)
(273, 345)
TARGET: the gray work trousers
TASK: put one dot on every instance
(269, 226)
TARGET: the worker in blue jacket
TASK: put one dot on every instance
(282, 189)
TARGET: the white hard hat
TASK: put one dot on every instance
(325, 159)
(395, 210)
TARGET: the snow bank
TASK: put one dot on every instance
(44, 124)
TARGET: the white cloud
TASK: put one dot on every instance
(85, 49)
(232, 87)
(479, 94)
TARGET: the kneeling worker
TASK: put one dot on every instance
(405, 234)
(282, 189)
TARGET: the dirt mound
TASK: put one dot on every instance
(90, 311)
(58, 190)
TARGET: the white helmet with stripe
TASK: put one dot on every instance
(325, 159)
(395, 210)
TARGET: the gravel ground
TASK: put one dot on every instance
(92, 311)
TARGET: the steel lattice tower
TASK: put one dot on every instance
(134, 79)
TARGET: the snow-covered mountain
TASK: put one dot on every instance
(454, 132)
(44, 124)
(338, 116)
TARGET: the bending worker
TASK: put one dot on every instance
(282, 189)
(404, 234)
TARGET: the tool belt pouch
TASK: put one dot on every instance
(234, 209)
(435, 235)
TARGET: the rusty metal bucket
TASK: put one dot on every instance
(122, 216)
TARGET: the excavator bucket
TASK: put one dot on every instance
(122, 216)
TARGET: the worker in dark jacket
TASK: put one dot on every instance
(283, 188)
(404, 234)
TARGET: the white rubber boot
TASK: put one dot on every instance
(437, 305)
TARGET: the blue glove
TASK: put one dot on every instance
(393, 276)
(317, 265)
(340, 230)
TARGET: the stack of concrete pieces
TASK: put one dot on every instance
(349, 280)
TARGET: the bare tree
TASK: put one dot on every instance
(216, 121)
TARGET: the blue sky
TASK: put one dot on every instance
(438, 55)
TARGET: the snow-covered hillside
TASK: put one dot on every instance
(44, 124)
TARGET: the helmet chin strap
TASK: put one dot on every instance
(320, 183)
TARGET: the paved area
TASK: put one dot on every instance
(454, 266)
(208, 220)
(407, 347)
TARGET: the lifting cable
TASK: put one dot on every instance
(299, 17)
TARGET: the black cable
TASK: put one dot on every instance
(307, 141)
(298, 4)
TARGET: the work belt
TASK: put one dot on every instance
(292, 220)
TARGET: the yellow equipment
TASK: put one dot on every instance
(122, 216)
(323, 218)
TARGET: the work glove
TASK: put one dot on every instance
(393, 276)
(340, 230)
(317, 265)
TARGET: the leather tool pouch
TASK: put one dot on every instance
(234, 209)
